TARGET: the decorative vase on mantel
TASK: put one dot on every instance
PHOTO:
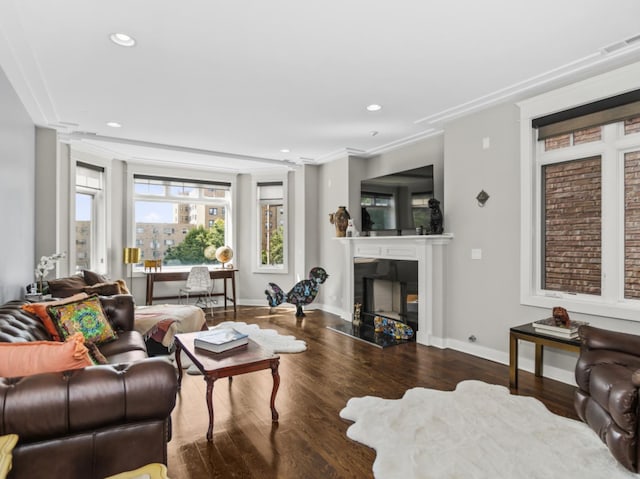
(341, 220)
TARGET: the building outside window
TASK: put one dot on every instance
(180, 209)
(272, 225)
(585, 208)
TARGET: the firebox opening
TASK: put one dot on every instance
(387, 288)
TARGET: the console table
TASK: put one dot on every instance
(526, 332)
(217, 273)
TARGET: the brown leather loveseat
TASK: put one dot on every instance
(608, 378)
(93, 422)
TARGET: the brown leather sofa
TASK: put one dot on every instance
(93, 422)
(608, 378)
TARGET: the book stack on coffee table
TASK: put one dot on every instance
(553, 327)
(219, 340)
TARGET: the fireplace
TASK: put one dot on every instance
(387, 288)
(392, 260)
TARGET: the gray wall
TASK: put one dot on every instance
(17, 194)
(483, 296)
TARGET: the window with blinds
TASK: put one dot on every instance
(588, 163)
(90, 218)
(272, 225)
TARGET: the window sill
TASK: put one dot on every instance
(282, 270)
(627, 310)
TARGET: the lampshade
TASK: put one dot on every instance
(130, 255)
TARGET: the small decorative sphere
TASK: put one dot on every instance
(224, 254)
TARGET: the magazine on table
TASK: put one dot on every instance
(218, 340)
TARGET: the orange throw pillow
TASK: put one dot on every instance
(40, 310)
(36, 357)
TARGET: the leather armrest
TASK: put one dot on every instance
(120, 309)
(52, 405)
(596, 338)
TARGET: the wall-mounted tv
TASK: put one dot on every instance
(398, 201)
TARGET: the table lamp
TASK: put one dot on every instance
(131, 256)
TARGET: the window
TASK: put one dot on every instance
(581, 206)
(272, 230)
(172, 218)
(90, 229)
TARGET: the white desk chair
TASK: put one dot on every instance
(198, 282)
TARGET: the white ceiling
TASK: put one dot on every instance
(229, 83)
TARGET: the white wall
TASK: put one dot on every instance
(17, 194)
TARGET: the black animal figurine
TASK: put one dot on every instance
(435, 226)
(304, 292)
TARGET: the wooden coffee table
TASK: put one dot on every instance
(213, 366)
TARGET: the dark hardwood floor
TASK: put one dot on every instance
(310, 440)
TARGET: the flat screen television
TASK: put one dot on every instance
(397, 201)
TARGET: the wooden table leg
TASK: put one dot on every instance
(233, 291)
(274, 391)
(224, 282)
(538, 363)
(178, 356)
(209, 394)
(513, 362)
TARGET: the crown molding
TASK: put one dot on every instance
(82, 136)
(402, 142)
(603, 60)
(338, 154)
(22, 68)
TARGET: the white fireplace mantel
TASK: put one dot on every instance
(428, 251)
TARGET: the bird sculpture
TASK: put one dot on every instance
(303, 292)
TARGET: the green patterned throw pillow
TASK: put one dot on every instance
(84, 316)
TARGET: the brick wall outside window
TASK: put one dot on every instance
(572, 222)
(632, 225)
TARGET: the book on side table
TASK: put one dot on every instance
(219, 340)
(555, 328)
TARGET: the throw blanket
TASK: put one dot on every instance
(163, 321)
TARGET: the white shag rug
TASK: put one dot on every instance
(267, 338)
(477, 431)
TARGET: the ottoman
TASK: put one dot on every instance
(159, 324)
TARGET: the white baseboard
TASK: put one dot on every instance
(526, 364)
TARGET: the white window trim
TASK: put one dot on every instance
(258, 267)
(596, 88)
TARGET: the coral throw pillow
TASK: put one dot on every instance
(84, 316)
(40, 310)
(35, 357)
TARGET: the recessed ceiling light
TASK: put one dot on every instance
(122, 39)
(374, 107)
(114, 124)
(285, 150)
